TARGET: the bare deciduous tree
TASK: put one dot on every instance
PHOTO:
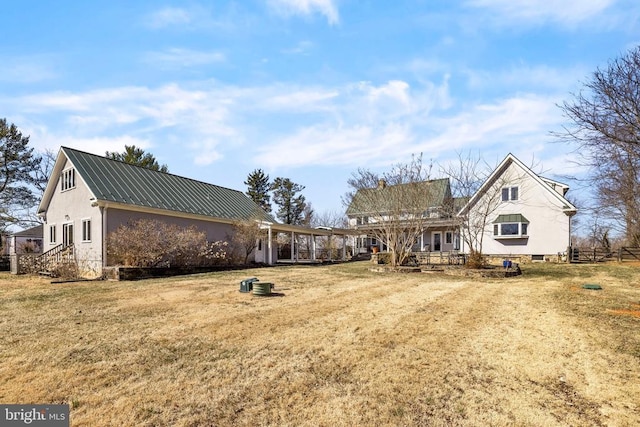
(478, 200)
(393, 206)
(605, 126)
(246, 235)
(466, 176)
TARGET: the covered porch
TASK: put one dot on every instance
(440, 236)
(285, 243)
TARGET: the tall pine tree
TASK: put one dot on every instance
(258, 187)
(137, 156)
(18, 165)
(291, 206)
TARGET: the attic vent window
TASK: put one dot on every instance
(509, 194)
(68, 179)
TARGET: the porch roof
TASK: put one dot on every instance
(299, 229)
(427, 224)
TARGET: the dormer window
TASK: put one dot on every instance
(509, 194)
(68, 179)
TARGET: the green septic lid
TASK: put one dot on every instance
(592, 287)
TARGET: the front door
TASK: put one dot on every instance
(437, 241)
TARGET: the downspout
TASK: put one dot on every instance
(103, 217)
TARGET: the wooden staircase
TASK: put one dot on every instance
(51, 259)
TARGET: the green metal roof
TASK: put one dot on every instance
(115, 181)
(511, 218)
(435, 193)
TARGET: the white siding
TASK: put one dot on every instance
(71, 207)
(549, 227)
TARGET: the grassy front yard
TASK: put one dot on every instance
(340, 346)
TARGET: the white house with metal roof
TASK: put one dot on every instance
(515, 213)
(521, 213)
(90, 196)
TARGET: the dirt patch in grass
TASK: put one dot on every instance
(633, 313)
(342, 346)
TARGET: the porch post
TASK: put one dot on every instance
(313, 247)
(344, 247)
(269, 250)
(293, 246)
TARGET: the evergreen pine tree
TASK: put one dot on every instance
(291, 206)
(258, 187)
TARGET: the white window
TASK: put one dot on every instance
(448, 237)
(509, 194)
(68, 179)
(67, 234)
(86, 230)
(362, 220)
(513, 229)
(52, 234)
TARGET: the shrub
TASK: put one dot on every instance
(384, 258)
(245, 239)
(475, 260)
(153, 243)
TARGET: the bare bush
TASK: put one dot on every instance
(246, 235)
(153, 243)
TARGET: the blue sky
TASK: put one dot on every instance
(305, 89)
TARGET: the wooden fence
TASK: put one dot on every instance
(628, 253)
(593, 255)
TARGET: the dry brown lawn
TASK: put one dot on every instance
(340, 346)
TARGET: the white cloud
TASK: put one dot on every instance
(564, 12)
(26, 69)
(99, 145)
(307, 7)
(100, 117)
(301, 48)
(299, 99)
(517, 124)
(288, 126)
(178, 58)
(540, 77)
(168, 17)
(332, 146)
